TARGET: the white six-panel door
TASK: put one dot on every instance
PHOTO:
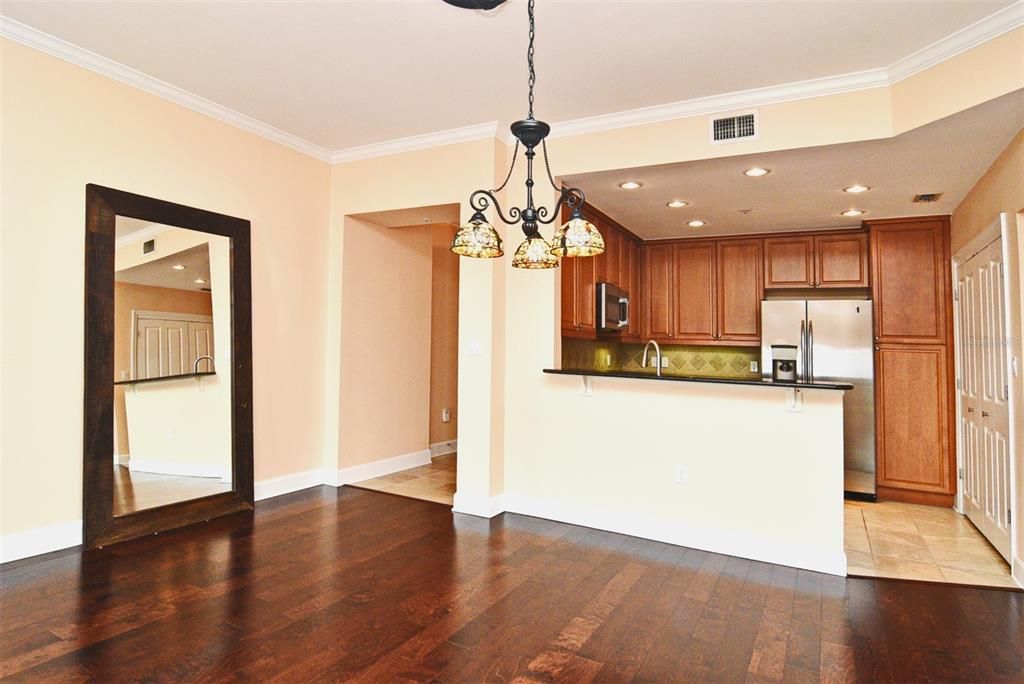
(984, 395)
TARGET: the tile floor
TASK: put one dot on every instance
(905, 541)
(896, 540)
(432, 482)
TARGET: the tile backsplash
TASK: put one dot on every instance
(703, 361)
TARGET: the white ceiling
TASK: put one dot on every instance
(353, 72)
(805, 187)
(161, 272)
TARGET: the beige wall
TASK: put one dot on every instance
(130, 297)
(444, 335)
(63, 127)
(1000, 190)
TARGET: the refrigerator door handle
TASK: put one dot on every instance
(803, 351)
(810, 351)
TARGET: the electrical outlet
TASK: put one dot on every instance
(664, 362)
(682, 474)
(753, 366)
(446, 415)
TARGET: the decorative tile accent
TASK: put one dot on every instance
(701, 361)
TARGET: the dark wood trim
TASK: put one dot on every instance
(99, 525)
(914, 496)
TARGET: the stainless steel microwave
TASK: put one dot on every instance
(612, 308)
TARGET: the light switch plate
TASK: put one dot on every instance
(753, 366)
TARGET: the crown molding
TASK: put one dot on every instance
(51, 45)
(992, 26)
(416, 142)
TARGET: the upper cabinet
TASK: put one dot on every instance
(739, 291)
(619, 265)
(704, 291)
(910, 267)
(827, 260)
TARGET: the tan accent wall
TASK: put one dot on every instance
(385, 383)
(1001, 189)
(63, 127)
(444, 335)
(130, 297)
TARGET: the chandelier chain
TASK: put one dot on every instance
(511, 168)
(529, 59)
(547, 165)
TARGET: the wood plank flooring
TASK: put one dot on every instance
(136, 491)
(353, 585)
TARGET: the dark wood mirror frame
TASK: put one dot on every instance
(100, 526)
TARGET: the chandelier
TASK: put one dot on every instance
(576, 238)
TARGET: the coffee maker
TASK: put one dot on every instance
(784, 362)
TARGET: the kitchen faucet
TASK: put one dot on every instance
(657, 358)
(195, 366)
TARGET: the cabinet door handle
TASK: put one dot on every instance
(970, 409)
(984, 414)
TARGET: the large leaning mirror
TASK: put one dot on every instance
(168, 425)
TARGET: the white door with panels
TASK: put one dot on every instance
(169, 344)
(983, 385)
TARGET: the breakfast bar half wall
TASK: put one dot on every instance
(746, 468)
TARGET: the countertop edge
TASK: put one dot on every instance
(840, 386)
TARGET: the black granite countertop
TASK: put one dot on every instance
(162, 378)
(692, 378)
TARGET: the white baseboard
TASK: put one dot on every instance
(717, 541)
(444, 448)
(286, 484)
(182, 469)
(385, 466)
(481, 506)
(18, 545)
(1018, 571)
(122, 459)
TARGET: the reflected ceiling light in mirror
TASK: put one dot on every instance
(853, 212)
(757, 172)
(178, 267)
(696, 223)
(200, 281)
(856, 189)
(677, 204)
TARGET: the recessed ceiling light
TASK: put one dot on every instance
(855, 189)
(629, 185)
(757, 171)
(199, 280)
(696, 223)
(677, 204)
(178, 267)
(853, 212)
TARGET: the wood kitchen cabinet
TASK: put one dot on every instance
(825, 260)
(910, 266)
(618, 264)
(913, 435)
(739, 291)
(704, 291)
(914, 403)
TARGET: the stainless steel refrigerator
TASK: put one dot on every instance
(834, 344)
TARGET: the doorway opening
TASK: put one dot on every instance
(400, 318)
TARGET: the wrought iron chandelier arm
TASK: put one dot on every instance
(481, 200)
(572, 197)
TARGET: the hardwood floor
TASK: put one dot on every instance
(136, 491)
(347, 584)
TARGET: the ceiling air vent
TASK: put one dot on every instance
(928, 197)
(733, 128)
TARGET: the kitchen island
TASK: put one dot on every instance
(747, 468)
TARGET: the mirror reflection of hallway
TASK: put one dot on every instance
(400, 348)
(172, 331)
